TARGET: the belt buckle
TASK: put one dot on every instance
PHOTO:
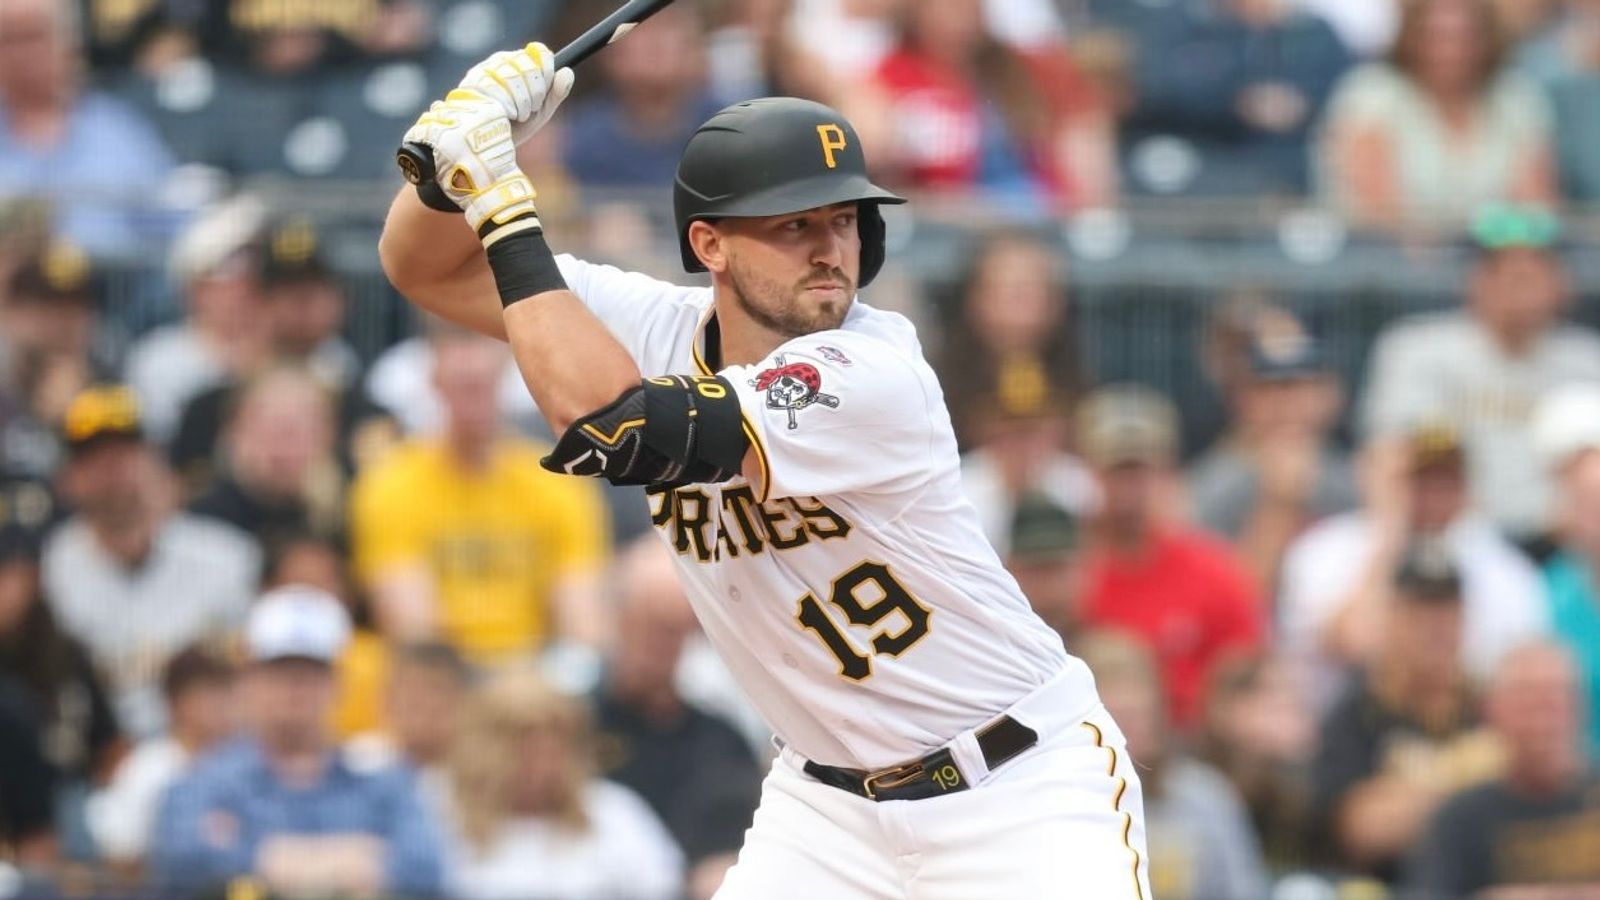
(891, 778)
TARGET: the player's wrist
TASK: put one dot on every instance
(521, 259)
(507, 200)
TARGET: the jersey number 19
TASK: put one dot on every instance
(846, 594)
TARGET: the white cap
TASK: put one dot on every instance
(1566, 421)
(297, 621)
(216, 235)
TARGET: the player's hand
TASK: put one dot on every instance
(476, 159)
(525, 84)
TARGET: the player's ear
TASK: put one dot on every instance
(709, 245)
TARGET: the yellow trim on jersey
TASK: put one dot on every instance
(749, 430)
(694, 342)
(1116, 804)
(617, 435)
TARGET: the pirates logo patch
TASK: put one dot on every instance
(792, 387)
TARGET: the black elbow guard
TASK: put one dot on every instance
(670, 430)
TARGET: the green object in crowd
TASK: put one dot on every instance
(1501, 226)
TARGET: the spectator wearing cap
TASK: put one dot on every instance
(1278, 468)
(55, 134)
(281, 805)
(696, 772)
(1336, 576)
(1201, 843)
(1242, 81)
(1485, 366)
(78, 733)
(223, 333)
(1440, 128)
(1572, 575)
(1043, 555)
(363, 668)
(1530, 833)
(198, 687)
(128, 575)
(1402, 737)
(1184, 592)
(1017, 450)
(465, 538)
(530, 816)
(304, 302)
(52, 345)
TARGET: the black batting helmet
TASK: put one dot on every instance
(774, 156)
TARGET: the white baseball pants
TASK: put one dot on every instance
(1064, 819)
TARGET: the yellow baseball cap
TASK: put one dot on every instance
(100, 413)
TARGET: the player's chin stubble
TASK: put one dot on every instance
(783, 310)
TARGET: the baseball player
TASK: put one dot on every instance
(936, 740)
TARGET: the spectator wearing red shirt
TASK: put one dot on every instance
(952, 108)
(1185, 593)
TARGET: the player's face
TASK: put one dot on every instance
(795, 274)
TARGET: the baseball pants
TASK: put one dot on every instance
(1065, 819)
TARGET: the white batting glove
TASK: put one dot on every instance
(476, 162)
(525, 84)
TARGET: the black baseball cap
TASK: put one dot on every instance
(1042, 530)
(293, 254)
(59, 272)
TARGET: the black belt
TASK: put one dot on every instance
(933, 775)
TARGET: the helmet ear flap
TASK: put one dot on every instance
(873, 235)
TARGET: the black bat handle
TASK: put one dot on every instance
(415, 158)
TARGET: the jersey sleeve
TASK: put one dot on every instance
(837, 412)
(649, 317)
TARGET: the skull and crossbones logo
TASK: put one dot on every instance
(792, 387)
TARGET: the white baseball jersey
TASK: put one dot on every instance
(851, 592)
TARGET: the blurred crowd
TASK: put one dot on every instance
(286, 612)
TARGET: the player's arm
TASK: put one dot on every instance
(568, 359)
(432, 257)
(436, 262)
(828, 413)
(585, 382)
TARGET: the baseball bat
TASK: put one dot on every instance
(415, 158)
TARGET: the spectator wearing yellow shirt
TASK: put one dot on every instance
(464, 538)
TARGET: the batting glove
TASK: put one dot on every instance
(525, 84)
(476, 161)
